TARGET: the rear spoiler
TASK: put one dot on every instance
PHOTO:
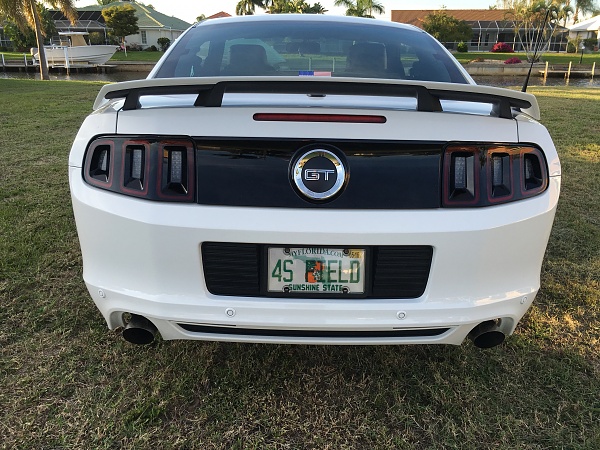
(210, 91)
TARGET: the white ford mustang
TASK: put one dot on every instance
(312, 180)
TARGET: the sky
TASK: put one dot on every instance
(188, 10)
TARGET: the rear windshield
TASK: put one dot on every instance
(309, 48)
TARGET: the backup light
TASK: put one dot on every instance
(134, 167)
(461, 176)
(136, 171)
(176, 171)
(460, 172)
(176, 166)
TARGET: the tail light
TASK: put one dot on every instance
(154, 169)
(483, 175)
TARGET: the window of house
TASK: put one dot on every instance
(144, 37)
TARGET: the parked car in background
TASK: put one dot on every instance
(312, 180)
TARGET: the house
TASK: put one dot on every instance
(586, 29)
(489, 27)
(219, 15)
(152, 24)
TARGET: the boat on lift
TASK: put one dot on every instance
(75, 49)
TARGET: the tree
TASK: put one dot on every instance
(446, 28)
(25, 14)
(248, 7)
(317, 8)
(292, 6)
(106, 2)
(583, 7)
(163, 43)
(201, 18)
(536, 22)
(121, 20)
(23, 40)
(361, 8)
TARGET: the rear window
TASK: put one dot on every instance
(309, 48)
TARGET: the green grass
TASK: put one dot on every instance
(144, 56)
(67, 382)
(552, 58)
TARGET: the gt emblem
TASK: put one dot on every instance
(315, 174)
(319, 174)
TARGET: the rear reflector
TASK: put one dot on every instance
(339, 118)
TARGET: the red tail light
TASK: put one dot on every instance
(141, 167)
(483, 175)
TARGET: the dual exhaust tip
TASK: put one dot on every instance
(141, 331)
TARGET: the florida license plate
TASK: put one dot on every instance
(316, 270)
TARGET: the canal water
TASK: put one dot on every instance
(500, 81)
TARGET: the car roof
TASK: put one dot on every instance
(309, 18)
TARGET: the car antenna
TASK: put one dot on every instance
(535, 52)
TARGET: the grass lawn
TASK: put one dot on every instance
(144, 56)
(552, 58)
(68, 382)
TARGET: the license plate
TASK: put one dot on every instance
(316, 270)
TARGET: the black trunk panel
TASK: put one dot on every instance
(256, 172)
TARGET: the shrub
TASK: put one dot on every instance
(462, 47)
(135, 47)
(501, 47)
(164, 43)
(514, 60)
(590, 43)
(152, 48)
(97, 38)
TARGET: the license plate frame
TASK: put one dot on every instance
(342, 271)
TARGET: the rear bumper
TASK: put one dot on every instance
(145, 258)
(334, 322)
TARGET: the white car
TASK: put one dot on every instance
(312, 180)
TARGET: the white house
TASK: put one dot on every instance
(586, 29)
(152, 24)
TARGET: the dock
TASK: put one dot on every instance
(569, 71)
(26, 64)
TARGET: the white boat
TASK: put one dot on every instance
(75, 48)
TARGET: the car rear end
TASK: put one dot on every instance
(313, 211)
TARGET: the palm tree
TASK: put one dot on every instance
(26, 15)
(317, 8)
(583, 7)
(361, 8)
(247, 7)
